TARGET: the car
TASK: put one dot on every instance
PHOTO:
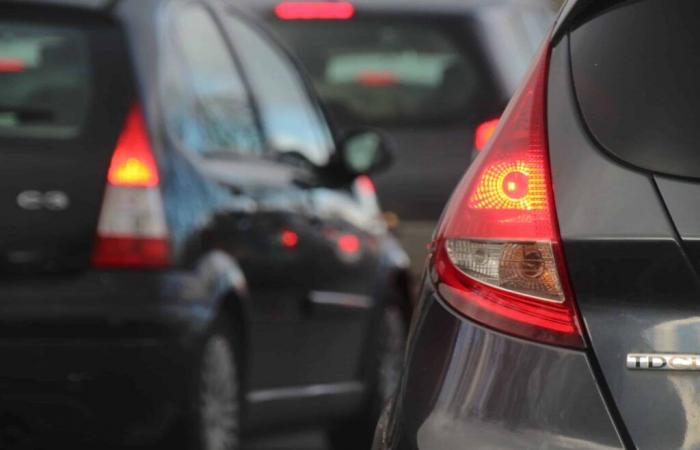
(560, 303)
(188, 252)
(434, 74)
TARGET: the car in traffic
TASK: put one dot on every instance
(560, 308)
(188, 252)
(434, 74)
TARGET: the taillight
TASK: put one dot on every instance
(315, 10)
(484, 132)
(497, 255)
(11, 65)
(132, 231)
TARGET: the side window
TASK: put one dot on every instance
(292, 122)
(207, 105)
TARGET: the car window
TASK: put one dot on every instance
(385, 72)
(45, 80)
(292, 122)
(635, 71)
(209, 109)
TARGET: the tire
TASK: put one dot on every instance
(214, 422)
(357, 433)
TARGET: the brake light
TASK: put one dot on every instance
(315, 10)
(497, 256)
(377, 78)
(484, 132)
(132, 231)
(365, 185)
(11, 65)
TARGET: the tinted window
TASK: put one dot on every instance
(386, 71)
(45, 80)
(292, 121)
(208, 106)
(636, 72)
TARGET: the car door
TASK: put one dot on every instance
(345, 239)
(259, 221)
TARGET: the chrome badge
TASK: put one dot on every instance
(662, 361)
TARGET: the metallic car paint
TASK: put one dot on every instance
(634, 285)
(466, 386)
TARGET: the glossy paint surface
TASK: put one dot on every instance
(633, 281)
(466, 385)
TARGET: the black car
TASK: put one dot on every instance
(186, 248)
(435, 74)
(560, 308)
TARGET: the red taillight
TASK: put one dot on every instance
(484, 132)
(315, 11)
(377, 78)
(132, 231)
(365, 185)
(498, 257)
(132, 162)
(11, 65)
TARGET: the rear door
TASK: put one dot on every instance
(623, 113)
(340, 270)
(64, 92)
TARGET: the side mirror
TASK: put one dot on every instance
(365, 152)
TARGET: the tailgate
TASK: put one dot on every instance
(64, 92)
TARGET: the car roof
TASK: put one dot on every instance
(406, 6)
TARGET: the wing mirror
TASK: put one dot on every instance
(365, 152)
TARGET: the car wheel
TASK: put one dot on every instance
(216, 416)
(383, 381)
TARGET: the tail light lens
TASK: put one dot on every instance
(132, 231)
(498, 256)
(484, 132)
(315, 11)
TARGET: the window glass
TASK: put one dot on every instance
(635, 71)
(292, 121)
(210, 110)
(385, 72)
(45, 81)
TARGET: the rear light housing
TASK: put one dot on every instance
(132, 231)
(497, 255)
(315, 11)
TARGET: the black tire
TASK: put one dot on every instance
(214, 420)
(357, 433)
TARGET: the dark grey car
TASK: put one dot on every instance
(561, 303)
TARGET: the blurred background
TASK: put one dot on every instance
(434, 75)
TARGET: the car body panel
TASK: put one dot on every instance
(633, 283)
(467, 385)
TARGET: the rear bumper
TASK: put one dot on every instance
(466, 386)
(101, 356)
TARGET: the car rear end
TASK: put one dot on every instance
(560, 307)
(429, 73)
(88, 325)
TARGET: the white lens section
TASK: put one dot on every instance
(527, 268)
(132, 212)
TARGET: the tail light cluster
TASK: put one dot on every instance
(132, 231)
(498, 256)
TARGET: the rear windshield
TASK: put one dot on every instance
(386, 71)
(636, 68)
(45, 80)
